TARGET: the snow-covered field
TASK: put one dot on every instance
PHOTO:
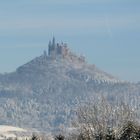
(6, 128)
(10, 132)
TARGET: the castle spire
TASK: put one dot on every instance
(53, 42)
(49, 47)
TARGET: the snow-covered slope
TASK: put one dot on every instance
(11, 132)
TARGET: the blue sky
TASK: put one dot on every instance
(107, 32)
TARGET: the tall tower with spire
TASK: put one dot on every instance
(53, 42)
(56, 49)
(52, 47)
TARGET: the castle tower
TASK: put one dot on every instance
(53, 42)
(52, 48)
(56, 49)
(50, 44)
(49, 48)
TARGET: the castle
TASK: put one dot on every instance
(56, 49)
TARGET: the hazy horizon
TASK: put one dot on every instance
(107, 32)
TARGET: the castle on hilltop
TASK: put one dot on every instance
(61, 50)
(55, 49)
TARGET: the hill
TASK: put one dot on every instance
(45, 92)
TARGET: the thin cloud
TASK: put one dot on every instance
(115, 22)
(72, 1)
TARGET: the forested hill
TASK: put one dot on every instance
(45, 92)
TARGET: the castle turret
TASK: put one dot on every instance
(49, 48)
(49, 45)
(53, 42)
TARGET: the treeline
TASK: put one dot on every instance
(129, 131)
(101, 120)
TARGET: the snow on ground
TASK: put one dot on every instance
(6, 128)
(10, 131)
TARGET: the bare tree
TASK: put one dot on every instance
(101, 119)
